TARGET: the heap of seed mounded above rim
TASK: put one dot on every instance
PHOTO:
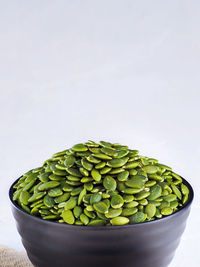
(100, 184)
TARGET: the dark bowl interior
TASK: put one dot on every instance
(148, 244)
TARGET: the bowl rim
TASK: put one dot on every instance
(105, 227)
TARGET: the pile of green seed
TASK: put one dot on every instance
(100, 184)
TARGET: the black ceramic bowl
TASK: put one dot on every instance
(149, 244)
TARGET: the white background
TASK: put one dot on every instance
(122, 71)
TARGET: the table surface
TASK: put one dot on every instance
(120, 71)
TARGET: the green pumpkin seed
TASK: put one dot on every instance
(79, 148)
(89, 214)
(71, 203)
(166, 211)
(24, 197)
(77, 211)
(100, 165)
(95, 198)
(101, 207)
(36, 196)
(170, 197)
(117, 163)
(86, 165)
(129, 211)
(109, 151)
(121, 154)
(151, 169)
(62, 198)
(123, 176)
(109, 183)
(113, 213)
(84, 219)
(101, 156)
(83, 171)
(49, 201)
(150, 210)
(105, 170)
(96, 222)
(68, 216)
(96, 175)
(136, 181)
(138, 217)
(117, 201)
(155, 192)
(131, 165)
(184, 189)
(142, 195)
(81, 195)
(119, 220)
(48, 185)
(74, 172)
(176, 191)
(55, 192)
(132, 204)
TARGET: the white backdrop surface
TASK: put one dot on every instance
(122, 71)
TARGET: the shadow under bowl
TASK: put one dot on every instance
(148, 244)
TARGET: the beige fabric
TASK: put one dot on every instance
(12, 258)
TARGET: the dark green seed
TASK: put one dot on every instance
(117, 163)
(100, 207)
(138, 217)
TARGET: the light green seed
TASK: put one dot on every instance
(117, 201)
(68, 216)
(150, 210)
(166, 211)
(119, 220)
(96, 175)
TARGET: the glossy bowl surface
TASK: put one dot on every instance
(149, 244)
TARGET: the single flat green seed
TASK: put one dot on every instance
(109, 151)
(119, 220)
(96, 175)
(48, 185)
(129, 211)
(138, 217)
(105, 170)
(62, 198)
(170, 197)
(113, 213)
(136, 181)
(101, 156)
(150, 169)
(71, 203)
(100, 165)
(79, 148)
(184, 189)
(88, 166)
(96, 222)
(141, 195)
(132, 204)
(77, 211)
(150, 210)
(109, 183)
(131, 165)
(68, 216)
(55, 192)
(24, 196)
(156, 177)
(123, 176)
(95, 198)
(155, 192)
(83, 171)
(81, 195)
(117, 201)
(101, 207)
(117, 163)
(48, 201)
(84, 219)
(176, 191)
(69, 161)
(166, 211)
(36, 196)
